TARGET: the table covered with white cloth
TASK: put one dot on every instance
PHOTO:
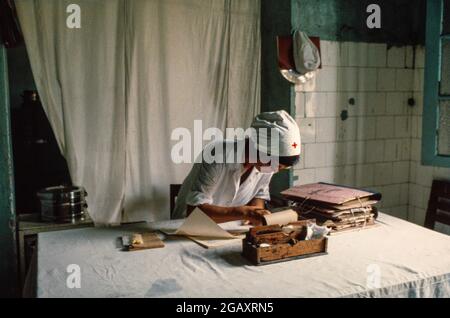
(395, 259)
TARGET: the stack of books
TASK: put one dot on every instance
(338, 207)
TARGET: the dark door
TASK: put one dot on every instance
(8, 259)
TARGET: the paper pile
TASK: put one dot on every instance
(203, 230)
(337, 207)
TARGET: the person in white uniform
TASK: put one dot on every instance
(228, 190)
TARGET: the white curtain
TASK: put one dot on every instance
(80, 76)
(136, 69)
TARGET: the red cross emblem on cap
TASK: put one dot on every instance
(294, 145)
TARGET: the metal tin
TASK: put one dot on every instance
(63, 204)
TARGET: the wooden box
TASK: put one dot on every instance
(283, 246)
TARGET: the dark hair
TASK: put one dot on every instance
(289, 160)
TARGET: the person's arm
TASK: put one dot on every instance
(261, 203)
(221, 214)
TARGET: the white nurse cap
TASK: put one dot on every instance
(281, 122)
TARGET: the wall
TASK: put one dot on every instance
(379, 145)
(276, 93)
(402, 21)
(371, 148)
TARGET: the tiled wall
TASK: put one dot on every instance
(378, 145)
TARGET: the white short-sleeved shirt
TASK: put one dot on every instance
(218, 183)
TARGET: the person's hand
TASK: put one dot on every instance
(253, 214)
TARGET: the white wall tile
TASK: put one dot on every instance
(326, 174)
(417, 200)
(339, 100)
(341, 154)
(413, 172)
(361, 147)
(405, 150)
(382, 173)
(304, 176)
(418, 80)
(346, 129)
(420, 200)
(321, 104)
(396, 103)
(367, 79)
(419, 216)
(414, 198)
(364, 175)
(386, 79)
(331, 154)
(426, 196)
(358, 54)
(424, 175)
(420, 57)
(349, 175)
(410, 213)
(344, 57)
(355, 152)
(418, 122)
(396, 56)
(414, 128)
(326, 129)
(366, 127)
(307, 129)
(360, 108)
(300, 104)
(391, 193)
(401, 212)
(327, 79)
(402, 126)
(392, 149)
(377, 55)
(315, 103)
(376, 103)
(301, 162)
(353, 107)
(409, 60)
(404, 194)
(315, 155)
(400, 172)
(347, 79)
(418, 107)
(385, 127)
(374, 151)
(416, 149)
(404, 79)
(330, 53)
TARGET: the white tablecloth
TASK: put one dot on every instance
(396, 259)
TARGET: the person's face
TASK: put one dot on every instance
(268, 168)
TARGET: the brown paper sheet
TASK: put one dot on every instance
(330, 194)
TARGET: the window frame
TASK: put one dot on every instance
(433, 46)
